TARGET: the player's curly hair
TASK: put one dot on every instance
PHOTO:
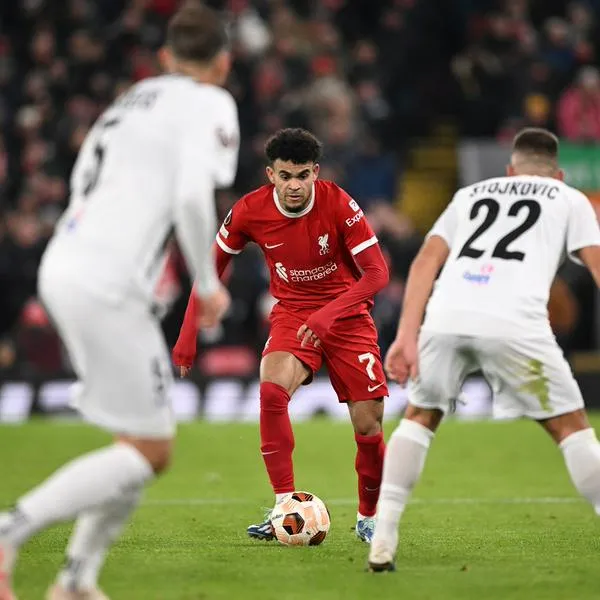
(295, 145)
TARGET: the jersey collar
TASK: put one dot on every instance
(291, 215)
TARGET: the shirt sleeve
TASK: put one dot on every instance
(356, 231)
(227, 141)
(195, 218)
(231, 237)
(375, 277)
(582, 228)
(446, 225)
(184, 350)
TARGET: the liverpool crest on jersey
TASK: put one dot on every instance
(323, 244)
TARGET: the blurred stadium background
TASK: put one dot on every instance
(412, 98)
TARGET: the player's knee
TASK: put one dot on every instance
(429, 418)
(367, 427)
(367, 417)
(157, 452)
(273, 397)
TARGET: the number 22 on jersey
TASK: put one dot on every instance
(530, 209)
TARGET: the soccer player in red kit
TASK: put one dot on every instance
(325, 266)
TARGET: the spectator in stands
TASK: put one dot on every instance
(579, 107)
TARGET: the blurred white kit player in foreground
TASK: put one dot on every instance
(499, 244)
(150, 164)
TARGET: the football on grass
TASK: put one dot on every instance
(300, 519)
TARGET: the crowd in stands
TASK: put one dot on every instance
(519, 71)
(365, 76)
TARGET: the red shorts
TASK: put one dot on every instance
(351, 353)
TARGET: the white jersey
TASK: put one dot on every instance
(150, 164)
(507, 237)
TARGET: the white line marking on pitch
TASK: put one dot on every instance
(352, 501)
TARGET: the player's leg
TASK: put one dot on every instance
(123, 392)
(367, 417)
(285, 366)
(281, 374)
(97, 481)
(581, 450)
(354, 363)
(443, 366)
(537, 382)
(97, 529)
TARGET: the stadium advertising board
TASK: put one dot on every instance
(222, 400)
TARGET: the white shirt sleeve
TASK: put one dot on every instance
(195, 213)
(582, 228)
(227, 140)
(447, 223)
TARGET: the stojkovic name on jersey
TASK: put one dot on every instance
(516, 188)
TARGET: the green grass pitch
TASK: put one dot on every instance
(494, 517)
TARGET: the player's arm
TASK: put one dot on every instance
(230, 241)
(184, 351)
(583, 234)
(421, 277)
(375, 277)
(401, 360)
(194, 207)
(361, 242)
(590, 257)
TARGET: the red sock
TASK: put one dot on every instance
(369, 467)
(276, 437)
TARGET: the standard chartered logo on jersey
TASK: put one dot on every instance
(282, 272)
(302, 275)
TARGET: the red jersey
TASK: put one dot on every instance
(310, 254)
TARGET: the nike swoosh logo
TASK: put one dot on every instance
(372, 388)
(270, 247)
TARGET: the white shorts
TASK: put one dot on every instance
(118, 351)
(528, 377)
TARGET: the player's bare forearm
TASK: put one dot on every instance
(590, 256)
(421, 277)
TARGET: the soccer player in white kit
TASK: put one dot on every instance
(499, 244)
(150, 164)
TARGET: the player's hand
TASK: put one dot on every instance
(184, 371)
(308, 336)
(402, 359)
(212, 308)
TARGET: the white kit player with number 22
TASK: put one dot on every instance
(499, 244)
(149, 165)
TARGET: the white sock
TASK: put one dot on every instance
(404, 461)
(85, 483)
(280, 497)
(94, 533)
(582, 457)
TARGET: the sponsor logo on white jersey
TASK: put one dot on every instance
(356, 218)
(481, 278)
(323, 244)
